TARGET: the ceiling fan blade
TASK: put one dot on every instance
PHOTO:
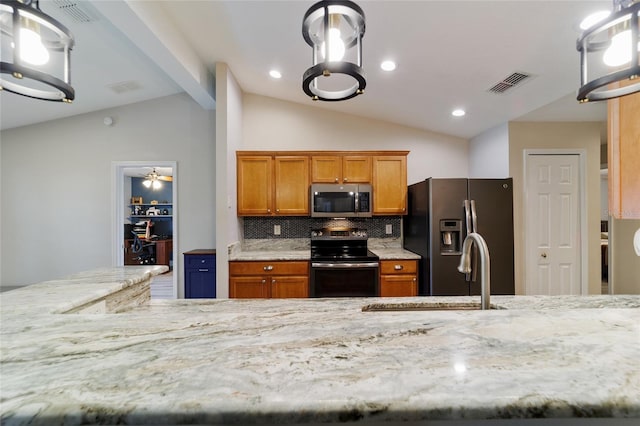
(166, 178)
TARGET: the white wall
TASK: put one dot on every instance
(57, 182)
(489, 153)
(229, 137)
(271, 124)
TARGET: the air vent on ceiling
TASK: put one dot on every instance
(78, 11)
(509, 82)
(125, 86)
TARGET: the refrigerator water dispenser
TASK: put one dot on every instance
(450, 233)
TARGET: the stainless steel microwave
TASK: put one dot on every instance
(336, 200)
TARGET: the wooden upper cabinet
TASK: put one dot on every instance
(255, 185)
(389, 185)
(624, 157)
(341, 169)
(356, 169)
(326, 169)
(292, 185)
(270, 185)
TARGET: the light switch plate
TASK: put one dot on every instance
(276, 229)
(389, 229)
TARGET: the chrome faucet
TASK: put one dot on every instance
(465, 265)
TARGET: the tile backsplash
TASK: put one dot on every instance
(300, 227)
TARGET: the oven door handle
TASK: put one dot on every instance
(345, 265)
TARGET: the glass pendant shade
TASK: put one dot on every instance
(336, 27)
(35, 51)
(609, 54)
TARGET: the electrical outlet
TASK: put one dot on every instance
(389, 229)
(276, 229)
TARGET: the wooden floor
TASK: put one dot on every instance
(162, 286)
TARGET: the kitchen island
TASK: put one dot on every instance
(310, 361)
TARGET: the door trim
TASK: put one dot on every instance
(118, 205)
(582, 193)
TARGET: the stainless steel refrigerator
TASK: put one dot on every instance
(441, 213)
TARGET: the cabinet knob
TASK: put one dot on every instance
(337, 180)
(264, 281)
(273, 281)
(414, 280)
(268, 268)
(277, 210)
(268, 210)
(202, 261)
(398, 267)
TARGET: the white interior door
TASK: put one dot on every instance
(552, 217)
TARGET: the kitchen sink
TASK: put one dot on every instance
(425, 306)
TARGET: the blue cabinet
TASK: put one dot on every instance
(200, 274)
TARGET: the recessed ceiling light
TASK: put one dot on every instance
(388, 65)
(275, 74)
(594, 18)
(458, 112)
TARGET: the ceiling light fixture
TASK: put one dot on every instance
(275, 74)
(153, 180)
(336, 27)
(458, 112)
(618, 36)
(388, 65)
(33, 45)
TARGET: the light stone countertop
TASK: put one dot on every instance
(309, 361)
(395, 254)
(267, 255)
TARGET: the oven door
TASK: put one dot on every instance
(344, 279)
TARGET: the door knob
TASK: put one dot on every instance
(543, 255)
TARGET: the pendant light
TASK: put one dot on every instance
(36, 51)
(334, 30)
(609, 48)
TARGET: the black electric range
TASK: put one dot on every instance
(342, 265)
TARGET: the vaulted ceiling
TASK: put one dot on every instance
(449, 53)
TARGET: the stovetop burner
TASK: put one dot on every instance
(341, 245)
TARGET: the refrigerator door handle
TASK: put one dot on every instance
(467, 216)
(474, 259)
(474, 216)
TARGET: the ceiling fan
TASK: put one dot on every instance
(153, 180)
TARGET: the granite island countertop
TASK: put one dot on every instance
(311, 361)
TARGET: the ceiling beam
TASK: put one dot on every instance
(147, 26)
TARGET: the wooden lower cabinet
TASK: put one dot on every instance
(259, 280)
(398, 278)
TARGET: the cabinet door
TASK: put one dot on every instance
(287, 286)
(389, 185)
(292, 185)
(248, 287)
(624, 156)
(326, 169)
(254, 185)
(356, 169)
(200, 283)
(398, 285)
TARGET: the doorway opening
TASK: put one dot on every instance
(145, 219)
(555, 242)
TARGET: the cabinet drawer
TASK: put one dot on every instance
(269, 268)
(199, 261)
(398, 267)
